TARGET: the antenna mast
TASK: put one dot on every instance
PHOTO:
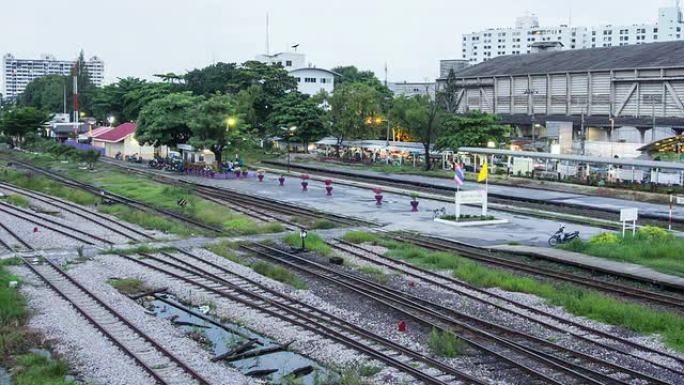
(268, 45)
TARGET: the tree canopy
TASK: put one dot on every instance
(472, 129)
(350, 106)
(421, 117)
(214, 123)
(302, 112)
(164, 121)
(351, 74)
(19, 122)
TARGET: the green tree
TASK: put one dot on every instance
(19, 122)
(350, 106)
(45, 93)
(448, 97)
(421, 117)
(90, 157)
(214, 124)
(473, 129)
(124, 99)
(164, 121)
(301, 111)
(351, 74)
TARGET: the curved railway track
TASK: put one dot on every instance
(283, 210)
(92, 216)
(158, 362)
(137, 205)
(14, 235)
(588, 334)
(212, 278)
(480, 255)
(526, 351)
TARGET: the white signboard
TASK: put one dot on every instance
(629, 215)
(666, 178)
(566, 170)
(628, 174)
(471, 197)
(680, 200)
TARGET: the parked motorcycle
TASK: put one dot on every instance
(562, 237)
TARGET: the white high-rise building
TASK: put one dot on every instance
(528, 36)
(18, 73)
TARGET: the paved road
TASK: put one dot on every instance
(525, 192)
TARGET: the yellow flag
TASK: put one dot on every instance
(484, 172)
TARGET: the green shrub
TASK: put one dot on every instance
(35, 369)
(653, 233)
(445, 344)
(604, 238)
(18, 200)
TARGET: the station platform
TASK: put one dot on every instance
(630, 270)
(652, 210)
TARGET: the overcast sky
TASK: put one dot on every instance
(144, 37)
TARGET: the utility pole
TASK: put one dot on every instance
(653, 130)
(583, 133)
(530, 96)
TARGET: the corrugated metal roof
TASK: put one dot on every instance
(653, 55)
(577, 158)
(118, 134)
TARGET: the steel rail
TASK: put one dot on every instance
(118, 342)
(437, 311)
(454, 286)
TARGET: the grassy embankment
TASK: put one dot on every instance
(15, 339)
(140, 188)
(575, 300)
(651, 247)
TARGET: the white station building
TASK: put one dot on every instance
(528, 34)
(310, 79)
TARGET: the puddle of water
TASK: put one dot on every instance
(223, 336)
(5, 378)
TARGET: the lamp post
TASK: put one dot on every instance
(530, 94)
(289, 131)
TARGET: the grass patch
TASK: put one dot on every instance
(660, 251)
(322, 224)
(375, 273)
(578, 301)
(445, 344)
(35, 369)
(360, 237)
(313, 242)
(279, 274)
(226, 249)
(47, 186)
(150, 221)
(142, 249)
(128, 286)
(17, 200)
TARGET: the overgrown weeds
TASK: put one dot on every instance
(313, 242)
(445, 343)
(279, 274)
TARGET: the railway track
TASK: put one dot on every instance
(14, 235)
(51, 224)
(210, 277)
(565, 207)
(158, 362)
(92, 216)
(137, 205)
(582, 332)
(527, 352)
(480, 255)
(247, 204)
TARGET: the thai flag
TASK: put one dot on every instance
(459, 175)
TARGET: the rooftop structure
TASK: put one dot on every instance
(18, 73)
(521, 39)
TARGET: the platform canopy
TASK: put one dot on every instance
(411, 147)
(672, 144)
(638, 163)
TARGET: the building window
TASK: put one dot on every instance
(288, 63)
(655, 37)
(323, 80)
(309, 80)
(299, 80)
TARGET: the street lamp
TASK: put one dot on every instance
(231, 122)
(111, 120)
(289, 131)
(530, 93)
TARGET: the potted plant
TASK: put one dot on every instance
(328, 186)
(414, 201)
(260, 175)
(237, 172)
(378, 196)
(305, 182)
(245, 171)
(281, 180)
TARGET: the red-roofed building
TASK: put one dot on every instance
(121, 140)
